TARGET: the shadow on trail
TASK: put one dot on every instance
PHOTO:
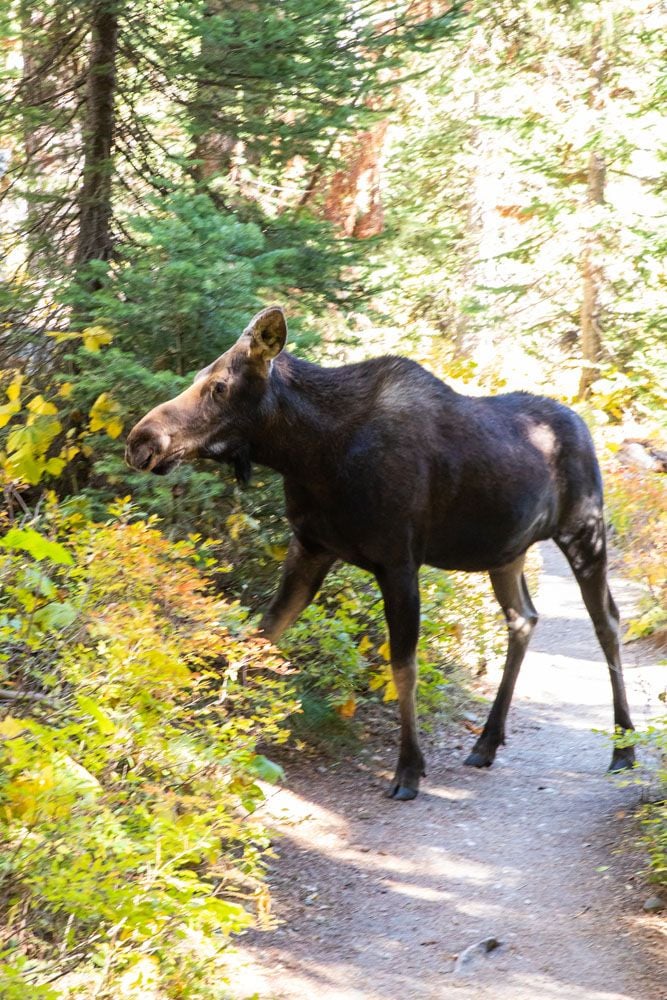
(377, 897)
(391, 892)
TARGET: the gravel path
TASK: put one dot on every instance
(377, 899)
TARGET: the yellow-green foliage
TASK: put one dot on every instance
(35, 445)
(637, 503)
(129, 763)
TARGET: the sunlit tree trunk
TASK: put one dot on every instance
(589, 317)
(590, 338)
(466, 336)
(94, 241)
(353, 200)
(214, 148)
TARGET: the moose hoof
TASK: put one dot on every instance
(402, 793)
(623, 759)
(479, 758)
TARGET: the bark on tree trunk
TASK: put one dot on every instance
(214, 149)
(33, 87)
(353, 201)
(590, 338)
(94, 242)
(466, 336)
(589, 319)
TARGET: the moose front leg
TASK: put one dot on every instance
(304, 571)
(400, 590)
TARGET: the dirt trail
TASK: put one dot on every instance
(378, 897)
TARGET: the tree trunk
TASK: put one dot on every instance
(48, 78)
(94, 242)
(214, 148)
(466, 334)
(353, 201)
(590, 338)
(589, 318)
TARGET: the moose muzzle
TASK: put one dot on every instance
(149, 449)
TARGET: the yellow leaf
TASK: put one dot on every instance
(8, 410)
(95, 337)
(390, 692)
(114, 427)
(51, 791)
(11, 727)
(377, 680)
(277, 552)
(14, 389)
(238, 522)
(384, 651)
(364, 645)
(348, 708)
(104, 416)
(54, 466)
(41, 407)
(96, 712)
(65, 390)
(60, 337)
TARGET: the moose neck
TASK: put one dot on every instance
(303, 414)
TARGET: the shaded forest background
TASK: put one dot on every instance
(479, 185)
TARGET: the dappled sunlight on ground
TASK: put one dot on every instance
(377, 898)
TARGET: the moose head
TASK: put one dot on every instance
(214, 417)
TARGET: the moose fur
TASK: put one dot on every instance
(388, 468)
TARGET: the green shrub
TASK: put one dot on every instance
(655, 814)
(636, 502)
(637, 507)
(130, 768)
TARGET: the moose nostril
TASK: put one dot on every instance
(139, 456)
(145, 446)
(143, 458)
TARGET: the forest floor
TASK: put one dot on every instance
(375, 899)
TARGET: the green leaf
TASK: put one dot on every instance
(266, 769)
(30, 541)
(91, 708)
(23, 465)
(55, 616)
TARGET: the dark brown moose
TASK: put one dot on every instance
(387, 468)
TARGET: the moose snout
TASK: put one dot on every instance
(146, 445)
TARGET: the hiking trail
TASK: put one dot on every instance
(376, 899)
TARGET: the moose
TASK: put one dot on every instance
(388, 468)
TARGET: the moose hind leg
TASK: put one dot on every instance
(586, 555)
(509, 586)
(400, 590)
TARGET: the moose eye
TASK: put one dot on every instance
(219, 388)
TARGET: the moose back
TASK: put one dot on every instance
(386, 467)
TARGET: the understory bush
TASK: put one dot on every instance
(637, 504)
(637, 507)
(132, 701)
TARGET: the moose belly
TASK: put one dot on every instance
(373, 529)
(486, 543)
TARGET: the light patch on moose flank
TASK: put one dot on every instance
(401, 395)
(542, 437)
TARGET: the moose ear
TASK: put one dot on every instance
(267, 333)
